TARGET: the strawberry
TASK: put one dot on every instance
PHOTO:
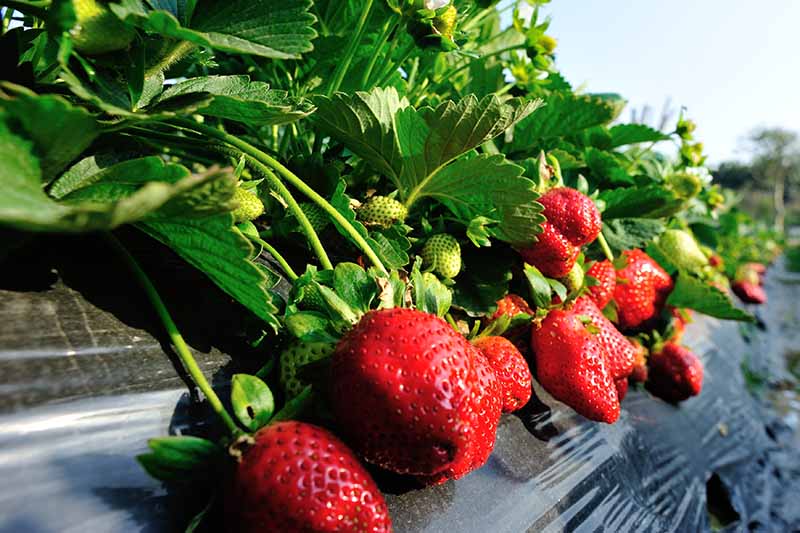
(552, 253)
(511, 305)
(750, 293)
(639, 372)
(642, 288)
(442, 254)
(511, 369)
(675, 373)
(572, 221)
(606, 276)
(716, 261)
(249, 207)
(97, 30)
(682, 250)
(445, 22)
(621, 352)
(316, 216)
(300, 477)
(488, 402)
(621, 385)
(296, 355)
(405, 392)
(572, 365)
(758, 268)
(381, 211)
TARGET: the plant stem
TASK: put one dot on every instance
(267, 163)
(278, 257)
(183, 351)
(453, 71)
(341, 68)
(388, 75)
(175, 54)
(604, 245)
(388, 28)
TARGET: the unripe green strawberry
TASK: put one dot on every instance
(312, 299)
(297, 355)
(442, 254)
(97, 30)
(316, 216)
(382, 211)
(685, 185)
(682, 250)
(250, 205)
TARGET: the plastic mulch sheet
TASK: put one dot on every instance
(84, 382)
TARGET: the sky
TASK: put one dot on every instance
(734, 65)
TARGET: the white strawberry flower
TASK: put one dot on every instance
(702, 173)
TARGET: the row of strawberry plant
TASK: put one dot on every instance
(454, 218)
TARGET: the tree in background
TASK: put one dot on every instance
(775, 165)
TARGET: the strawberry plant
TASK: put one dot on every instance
(373, 182)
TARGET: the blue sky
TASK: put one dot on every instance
(733, 64)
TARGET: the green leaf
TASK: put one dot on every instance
(430, 294)
(309, 326)
(563, 114)
(408, 145)
(539, 287)
(59, 130)
(489, 185)
(606, 167)
(216, 247)
(109, 168)
(354, 286)
(652, 201)
(338, 309)
(234, 98)
(279, 29)
(252, 401)
(179, 458)
(101, 206)
(693, 293)
(629, 233)
(623, 134)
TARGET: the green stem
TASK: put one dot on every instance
(604, 245)
(274, 253)
(341, 68)
(453, 71)
(181, 348)
(35, 9)
(175, 54)
(388, 75)
(388, 28)
(267, 162)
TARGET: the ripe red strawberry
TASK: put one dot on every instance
(622, 388)
(620, 351)
(552, 253)
(639, 372)
(749, 292)
(511, 305)
(572, 221)
(606, 276)
(511, 369)
(675, 373)
(487, 399)
(715, 260)
(573, 213)
(642, 288)
(300, 477)
(403, 391)
(572, 365)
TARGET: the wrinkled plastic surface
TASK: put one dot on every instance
(84, 383)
